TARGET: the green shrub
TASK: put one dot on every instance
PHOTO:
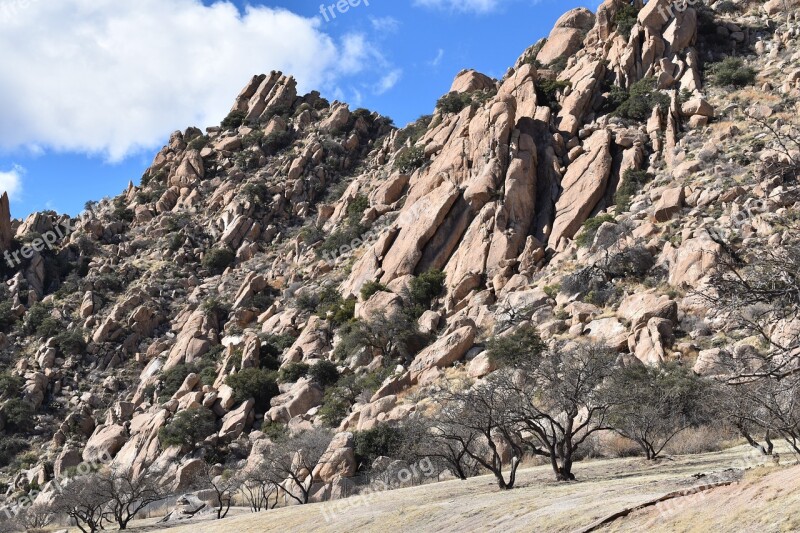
(371, 287)
(334, 408)
(35, 316)
(70, 342)
(356, 208)
(10, 385)
(255, 383)
(8, 319)
(559, 64)
(172, 379)
(414, 131)
(546, 91)
(342, 241)
(642, 98)
(233, 120)
(589, 230)
(625, 20)
(198, 143)
(293, 372)
(276, 431)
(325, 373)
(18, 414)
(218, 259)
(381, 441)
(276, 141)
(632, 182)
(10, 447)
(275, 345)
(524, 345)
(188, 428)
(731, 72)
(410, 160)
(454, 102)
(124, 214)
(424, 289)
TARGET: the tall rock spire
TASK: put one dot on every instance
(5, 223)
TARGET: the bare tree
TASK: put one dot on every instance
(291, 464)
(761, 293)
(429, 440)
(654, 405)
(258, 488)
(127, 494)
(738, 405)
(477, 423)
(557, 400)
(757, 290)
(82, 501)
(35, 517)
(224, 484)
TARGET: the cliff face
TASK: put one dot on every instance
(244, 247)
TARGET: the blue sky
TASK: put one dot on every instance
(92, 90)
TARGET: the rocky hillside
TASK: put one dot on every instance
(307, 265)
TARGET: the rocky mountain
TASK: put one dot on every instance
(587, 193)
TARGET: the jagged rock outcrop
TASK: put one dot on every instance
(244, 251)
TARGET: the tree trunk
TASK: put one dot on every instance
(753, 443)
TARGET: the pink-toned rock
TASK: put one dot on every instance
(692, 261)
(338, 461)
(374, 413)
(682, 31)
(444, 352)
(188, 474)
(639, 308)
(235, 422)
(481, 366)
(713, 362)
(697, 106)
(670, 204)
(649, 344)
(6, 233)
(468, 81)
(382, 302)
(655, 14)
(584, 186)
(104, 443)
(608, 331)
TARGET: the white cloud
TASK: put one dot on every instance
(385, 24)
(115, 76)
(436, 61)
(11, 182)
(475, 6)
(388, 81)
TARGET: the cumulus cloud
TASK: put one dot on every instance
(475, 6)
(11, 182)
(115, 76)
(388, 81)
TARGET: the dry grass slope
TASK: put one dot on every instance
(766, 499)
